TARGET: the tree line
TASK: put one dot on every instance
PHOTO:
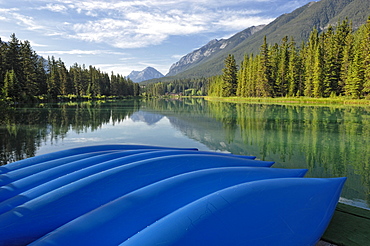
(24, 75)
(332, 63)
(182, 87)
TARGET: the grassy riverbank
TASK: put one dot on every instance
(293, 100)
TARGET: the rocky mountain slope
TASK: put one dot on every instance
(297, 24)
(209, 50)
(146, 74)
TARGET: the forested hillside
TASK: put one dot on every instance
(24, 75)
(298, 24)
(333, 63)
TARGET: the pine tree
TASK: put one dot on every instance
(281, 80)
(310, 54)
(264, 85)
(53, 79)
(341, 36)
(356, 70)
(11, 85)
(252, 76)
(41, 76)
(12, 55)
(64, 84)
(293, 70)
(343, 85)
(2, 65)
(317, 76)
(366, 49)
(330, 66)
(29, 85)
(229, 76)
(242, 77)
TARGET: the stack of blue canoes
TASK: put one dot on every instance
(147, 195)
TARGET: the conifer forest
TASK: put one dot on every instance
(335, 62)
(25, 75)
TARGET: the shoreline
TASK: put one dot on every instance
(294, 100)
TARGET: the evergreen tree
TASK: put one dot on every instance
(264, 85)
(53, 79)
(29, 85)
(3, 48)
(310, 58)
(283, 65)
(11, 83)
(330, 70)
(366, 55)
(229, 76)
(12, 55)
(293, 70)
(317, 76)
(63, 78)
(41, 76)
(343, 31)
(356, 71)
(242, 78)
(343, 85)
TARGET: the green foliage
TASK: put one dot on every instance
(190, 87)
(25, 75)
(229, 77)
(333, 63)
(10, 84)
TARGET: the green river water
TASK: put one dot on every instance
(330, 141)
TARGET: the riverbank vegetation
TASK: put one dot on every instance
(26, 76)
(332, 67)
(333, 63)
(293, 100)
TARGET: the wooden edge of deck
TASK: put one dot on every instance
(349, 226)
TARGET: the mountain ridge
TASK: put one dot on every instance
(211, 48)
(146, 74)
(298, 24)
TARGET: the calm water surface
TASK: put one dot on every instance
(329, 141)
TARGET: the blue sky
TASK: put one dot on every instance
(122, 36)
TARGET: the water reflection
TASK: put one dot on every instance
(330, 141)
(23, 130)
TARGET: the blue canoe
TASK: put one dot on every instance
(134, 194)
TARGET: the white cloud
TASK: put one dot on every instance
(242, 22)
(55, 7)
(34, 44)
(12, 15)
(134, 27)
(81, 52)
(140, 23)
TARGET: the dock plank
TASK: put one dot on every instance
(350, 226)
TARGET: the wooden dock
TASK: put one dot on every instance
(350, 226)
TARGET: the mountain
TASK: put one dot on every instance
(146, 74)
(146, 117)
(297, 24)
(209, 50)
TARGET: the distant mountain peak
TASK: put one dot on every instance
(210, 49)
(298, 24)
(146, 74)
